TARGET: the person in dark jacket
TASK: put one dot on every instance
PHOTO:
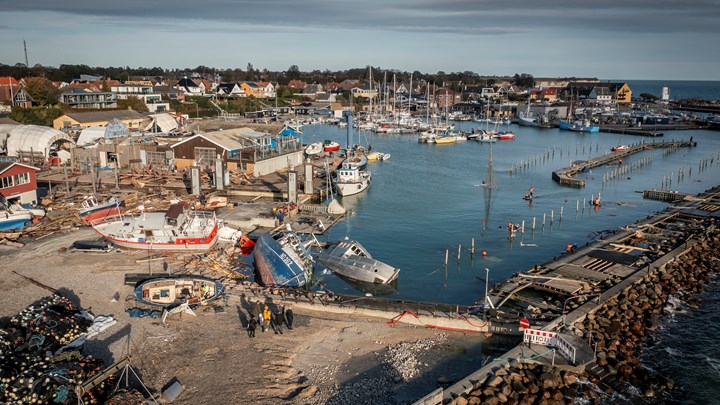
(252, 325)
(281, 317)
(275, 324)
(289, 316)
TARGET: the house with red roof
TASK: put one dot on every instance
(9, 86)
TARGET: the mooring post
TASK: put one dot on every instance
(459, 247)
(447, 253)
(543, 219)
(552, 216)
(522, 227)
(577, 205)
(561, 213)
(533, 225)
(472, 246)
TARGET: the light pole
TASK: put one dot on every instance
(485, 303)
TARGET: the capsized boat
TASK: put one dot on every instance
(171, 291)
(177, 229)
(350, 259)
(282, 259)
(92, 210)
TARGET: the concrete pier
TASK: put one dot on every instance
(565, 176)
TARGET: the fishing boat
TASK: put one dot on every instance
(171, 291)
(330, 146)
(10, 221)
(282, 259)
(314, 148)
(484, 136)
(351, 180)
(91, 209)
(579, 126)
(177, 229)
(350, 259)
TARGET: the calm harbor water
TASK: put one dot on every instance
(427, 199)
(679, 89)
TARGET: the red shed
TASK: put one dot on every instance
(18, 182)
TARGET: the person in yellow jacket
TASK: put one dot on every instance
(266, 316)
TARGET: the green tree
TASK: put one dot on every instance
(35, 116)
(293, 72)
(133, 102)
(42, 91)
(648, 97)
(524, 80)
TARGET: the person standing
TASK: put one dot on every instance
(289, 318)
(252, 325)
(280, 318)
(267, 317)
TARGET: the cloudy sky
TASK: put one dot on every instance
(609, 39)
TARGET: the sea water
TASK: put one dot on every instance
(427, 202)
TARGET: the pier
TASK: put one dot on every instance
(556, 298)
(565, 176)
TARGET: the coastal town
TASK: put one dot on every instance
(169, 234)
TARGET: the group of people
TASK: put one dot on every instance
(261, 316)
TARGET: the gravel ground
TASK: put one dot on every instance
(325, 359)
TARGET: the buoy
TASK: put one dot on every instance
(484, 253)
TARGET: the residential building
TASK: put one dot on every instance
(445, 97)
(296, 84)
(364, 91)
(8, 87)
(229, 89)
(152, 100)
(18, 182)
(252, 89)
(189, 87)
(23, 99)
(82, 99)
(268, 89)
(311, 90)
(131, 118)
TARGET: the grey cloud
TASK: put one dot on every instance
(463, 17)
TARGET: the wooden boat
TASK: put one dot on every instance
(177, 229)
(172, 291)
(350, 259)
(92, 210)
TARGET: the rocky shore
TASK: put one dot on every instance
(618, 329)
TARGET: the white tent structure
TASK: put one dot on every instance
(89, 135)
(17, 139)
(162, 122)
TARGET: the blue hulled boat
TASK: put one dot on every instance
(282, 259)
(579, 126)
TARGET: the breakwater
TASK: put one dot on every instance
(565, 176)
(616, 319)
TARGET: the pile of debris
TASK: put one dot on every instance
(33, 367)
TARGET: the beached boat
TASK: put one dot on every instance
(352, 180)
(10, 220)
(314, 148)
(282, 259)
(330, 146)
(171, 291)
(350, 259)
(179, 228)
(91, 209)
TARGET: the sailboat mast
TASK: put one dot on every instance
(490, 168)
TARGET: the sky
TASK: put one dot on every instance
(627, 39)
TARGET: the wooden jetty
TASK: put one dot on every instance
(622, 129)
(566, 176)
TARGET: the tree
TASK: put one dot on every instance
(648, 97)
(133, 102)
(42, 91)
(250, 74)
(524, 80)
(293, 72)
